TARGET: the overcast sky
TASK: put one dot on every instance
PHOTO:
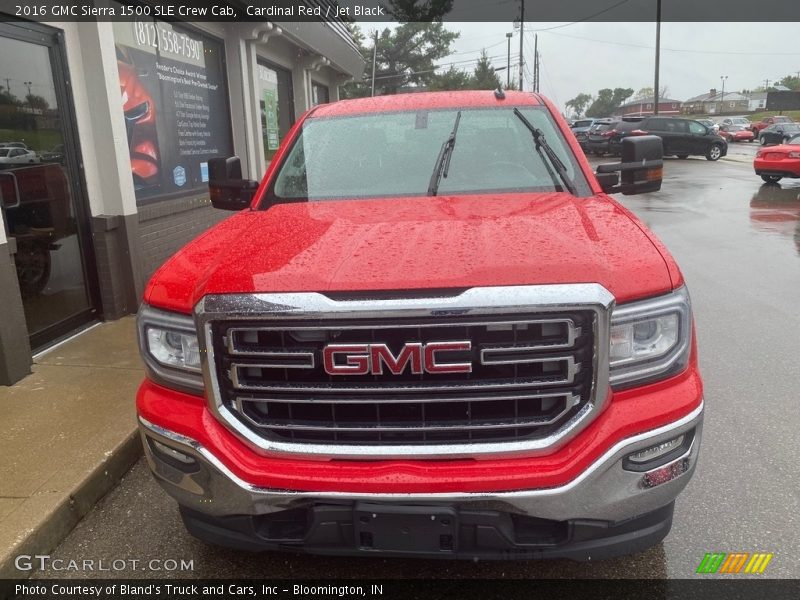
(585, 57)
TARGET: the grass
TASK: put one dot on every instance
(794, 114)
(39, 140)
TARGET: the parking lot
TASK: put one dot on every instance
(738, 243)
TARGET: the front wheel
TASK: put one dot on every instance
(714, 152)
(771, 178)
(762, 140)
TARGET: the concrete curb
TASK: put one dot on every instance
(57, 523)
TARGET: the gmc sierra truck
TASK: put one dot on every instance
(429, 331)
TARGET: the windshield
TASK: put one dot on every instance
(583, 123)
(394, 154)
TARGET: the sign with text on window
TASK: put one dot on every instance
(271, 116)
(172, 86)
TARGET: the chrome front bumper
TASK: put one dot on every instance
(605, 491)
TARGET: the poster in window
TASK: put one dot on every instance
(172, 87)
(271, 116)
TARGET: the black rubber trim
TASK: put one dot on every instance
(331, 529)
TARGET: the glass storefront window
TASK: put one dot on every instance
(277, 106)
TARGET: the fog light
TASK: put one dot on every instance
(654, 452)
(664, 474)
(172, 453)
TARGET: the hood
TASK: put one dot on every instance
(417, 243)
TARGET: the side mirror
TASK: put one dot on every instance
(641, 169)
(227, 188)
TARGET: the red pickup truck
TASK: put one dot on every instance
(428, 331)
(767, 121)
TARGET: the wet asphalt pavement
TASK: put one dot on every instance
(738, 243)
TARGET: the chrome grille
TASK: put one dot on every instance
(528, 376)
(538, 357)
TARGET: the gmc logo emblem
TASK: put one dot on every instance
(364, 359)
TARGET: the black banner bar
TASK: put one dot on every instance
(722, 588)
(371, 11)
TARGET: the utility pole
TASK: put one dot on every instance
(521, 39)
(508, 61)
(658, 55)
(536, 62)
(766, 84)
(722, 78)
(374, 58)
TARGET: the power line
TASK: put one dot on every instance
(584, 19)
(686, 50)
(437, 67)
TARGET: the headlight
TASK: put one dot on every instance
(651, 339)
(169, 348)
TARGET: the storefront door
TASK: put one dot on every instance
(41, 191)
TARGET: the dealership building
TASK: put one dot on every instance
(106, 130)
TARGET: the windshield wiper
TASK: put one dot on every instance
(541, 144)
(442, 166)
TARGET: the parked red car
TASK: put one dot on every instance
(776, 162)
(736, 133)
(767, 121)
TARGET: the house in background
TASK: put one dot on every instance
(715, 103)
(757, 101)
(645, 106)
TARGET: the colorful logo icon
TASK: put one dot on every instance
(736, 562)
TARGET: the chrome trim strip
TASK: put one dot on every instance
(444, 399)
(502, 301)
(384, 428)
(599, 464)
(323, 388)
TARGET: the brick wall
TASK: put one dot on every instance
(166, 226)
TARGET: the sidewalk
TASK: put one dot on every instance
(68, 435)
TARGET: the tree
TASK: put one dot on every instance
(647, 92)
(359, 89)
(484, 76)
(6, 97)
(35, 101)
(579, 103)
(607, 100)
(408, 11)
(452, 79)
(407, 55)
(791, 81)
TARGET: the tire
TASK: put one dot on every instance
(751, 140)
(762, 140)
(771, 178)
(683, 156)
(714, 153)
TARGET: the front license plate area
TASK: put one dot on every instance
(408, 529)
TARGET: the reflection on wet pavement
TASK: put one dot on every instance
(776, 209)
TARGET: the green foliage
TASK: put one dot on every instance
(452, 79)
(607, 100)
(405, 11)
(579, 103)
(485, 77)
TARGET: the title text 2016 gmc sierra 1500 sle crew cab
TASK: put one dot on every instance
(427, 332)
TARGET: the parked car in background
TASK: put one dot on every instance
(736, 133)
(767, 121)
(581, 130)
(13, 145)
(743, 121)
(17, 156)
(778, 133)
(606, 135)
(684, 137)
(710, 124)
(777, 162)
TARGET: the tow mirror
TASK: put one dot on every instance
(227, 188)
(641, 169)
